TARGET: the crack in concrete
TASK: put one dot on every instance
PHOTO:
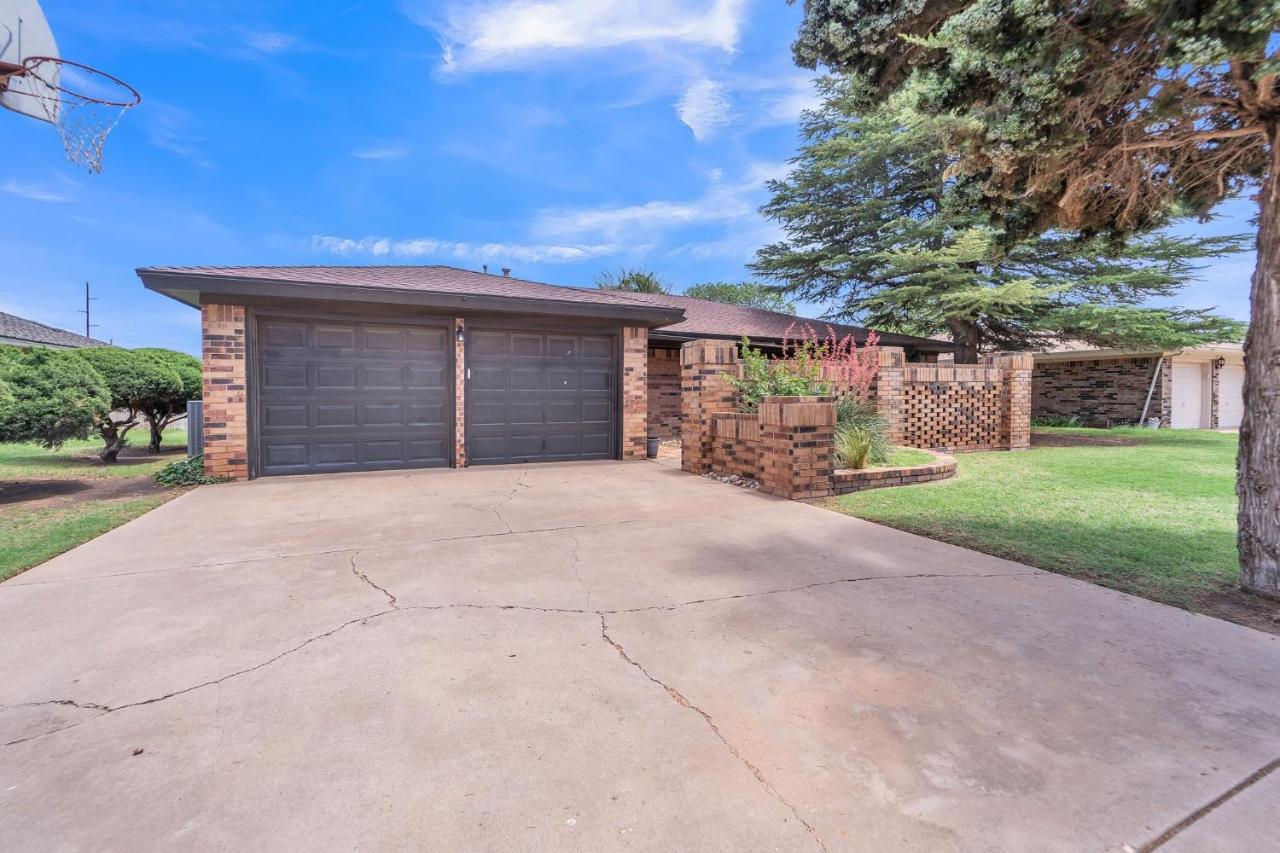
(576, 565)
(1208, 808)
(269, 557)
(355, 569)
(105, 709)
(395, 607)
(87, 706)
(681, 700)
(497, 508)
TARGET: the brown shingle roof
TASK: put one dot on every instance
(18, 328)
(705, 318)
(428, 279)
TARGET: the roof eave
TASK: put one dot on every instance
(191, 289)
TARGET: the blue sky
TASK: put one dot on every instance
(560, 138)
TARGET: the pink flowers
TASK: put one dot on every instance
(849, 369)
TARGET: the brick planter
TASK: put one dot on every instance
(846, 480)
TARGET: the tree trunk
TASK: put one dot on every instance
(964, 334)
(1258, 465)
(113, 441)
(157, 426)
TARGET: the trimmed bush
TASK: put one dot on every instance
(136, 381)
(159, 412)
(49, 396)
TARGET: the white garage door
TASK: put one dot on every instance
(1188, 396)
(1230, 396)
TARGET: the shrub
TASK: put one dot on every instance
(185, 472)
(799, 375)
(135, 382)
(809, 366)
(49, 396)
(161, 411)
(861, 435)
(1058, 421)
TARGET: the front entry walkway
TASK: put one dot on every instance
(603, 656)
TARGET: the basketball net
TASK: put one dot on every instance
(83, 103)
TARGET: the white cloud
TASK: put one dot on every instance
(510, 33)
(170, 128)
(721, 203)
(33, 192)
(386, 152)
(420, 247)
(270, 42)
(704, 108)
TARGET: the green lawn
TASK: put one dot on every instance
(902, 457)
(1150, 512)
(79, 496)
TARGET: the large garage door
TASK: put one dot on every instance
(540, 396)
(351, 396)
(1230, 396)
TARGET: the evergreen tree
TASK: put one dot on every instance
(877, 228)
(749, 294)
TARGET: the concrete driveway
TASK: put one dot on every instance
(605, 656)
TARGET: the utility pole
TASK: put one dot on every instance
(85, 310)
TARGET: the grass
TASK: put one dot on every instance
(1150, 512)
(78, 460)
(902, 457)
(99, 497)
(28, 538)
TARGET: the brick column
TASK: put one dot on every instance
(226, 426)
(635, 391)
(1214, 379)
(1014, 432)
(888, 390)
(796, 447)
(1166, 393)
(459, 394)
(704, 391)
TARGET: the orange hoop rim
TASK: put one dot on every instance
(31, 62)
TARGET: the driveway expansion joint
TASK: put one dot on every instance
(681, 700)
(1208, 808)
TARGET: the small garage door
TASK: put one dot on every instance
(540, 396)
(352, 396)
(1230, 396)
(1188, 396)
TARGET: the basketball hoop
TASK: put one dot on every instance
(83, 103)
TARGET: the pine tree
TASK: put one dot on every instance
(876, 228)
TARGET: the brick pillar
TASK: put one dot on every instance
(796, 447)
(888, 390)
(1016, 369)
(704, 391)
(226, 416)
(1166, 393)
(1214, 378)
(459, 394)
(635, 391)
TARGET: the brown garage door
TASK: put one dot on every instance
(540, 396)
(351, 396)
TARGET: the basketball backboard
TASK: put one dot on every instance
(83, 103)
(25, 33)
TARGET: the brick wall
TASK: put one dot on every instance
(704, 391)
(1101, 392)
(664, 392)
(736, 444)
(226, 426)
(635, 391)
(796, 447)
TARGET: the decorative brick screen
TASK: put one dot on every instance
(226, 413)
(951, 408)
(664, 392)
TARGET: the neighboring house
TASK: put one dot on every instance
(20, 332)
(1192, 388)
(313, 369)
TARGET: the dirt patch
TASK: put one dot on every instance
(1057, 439)
(1236, 605)
(36, 494)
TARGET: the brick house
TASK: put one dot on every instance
(325, 369)
(1193, 388)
